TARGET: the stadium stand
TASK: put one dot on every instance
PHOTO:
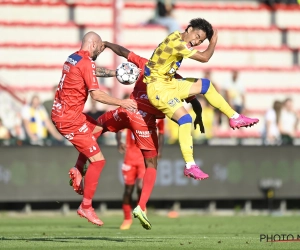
(261, 43)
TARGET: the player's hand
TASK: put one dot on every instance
(198, 121)
(159, 155)
(121, 148)
(128, 104)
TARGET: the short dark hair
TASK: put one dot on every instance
(201, 24)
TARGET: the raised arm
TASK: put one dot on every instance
(103, 72)
(205, 55)
(119, 50)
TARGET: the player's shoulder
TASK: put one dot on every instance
(134, 57)
(79, 57)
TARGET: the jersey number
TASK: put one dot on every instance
(61, 82)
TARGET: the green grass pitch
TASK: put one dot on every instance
(186, 232)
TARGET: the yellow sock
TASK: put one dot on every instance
(186, 141)
(216, 100)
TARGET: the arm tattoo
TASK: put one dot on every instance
(103, 72)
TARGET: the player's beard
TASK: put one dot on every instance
(94, 57)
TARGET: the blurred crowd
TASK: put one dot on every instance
(32, 124)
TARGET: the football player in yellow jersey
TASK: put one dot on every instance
(166, 93)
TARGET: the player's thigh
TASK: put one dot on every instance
(143, 127)
(114, 120)
(165, 97)
(188, 87)
(93, 125)
(196, 87)
(83, 140)
(141, 169)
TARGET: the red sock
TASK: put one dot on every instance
(127, 211)
(148, 184)
(91, 181)
(81, 160)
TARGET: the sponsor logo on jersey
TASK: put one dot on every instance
(141, 113)
(66, 68)
(74, 59)
(69, 136)
(143, 133)
(84, 128)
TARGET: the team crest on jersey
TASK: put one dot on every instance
(74, 59)
(172, 103)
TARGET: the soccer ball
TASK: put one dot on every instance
(127, 73)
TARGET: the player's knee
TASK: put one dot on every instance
(185, 119)
(151, 162)
(205, 85)
(128, 190)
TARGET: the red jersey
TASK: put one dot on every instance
(78, 78)
(140, 89)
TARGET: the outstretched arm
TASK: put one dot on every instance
(103, 72)
(119, 50)
(121, 145)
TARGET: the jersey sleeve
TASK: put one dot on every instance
(182, 50)
(161, 126)
(89, 75)
(137, 60)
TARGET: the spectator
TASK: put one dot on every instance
(163, 15)
(272, 3)
(271, 134)
(288, 122)
(235, 93)
(171, 131)
(4, 132)
(49, 103)
(37, 123)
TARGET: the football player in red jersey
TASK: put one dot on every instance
(133, 169)
(77, 82)
(142, 123)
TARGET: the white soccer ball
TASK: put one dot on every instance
(127, 73)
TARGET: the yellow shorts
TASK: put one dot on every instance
(167, 96)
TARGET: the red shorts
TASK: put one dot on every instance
(141, 124)
(133, 171)
(80, 135)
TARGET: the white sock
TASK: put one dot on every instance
(189, 164)
(235, 116)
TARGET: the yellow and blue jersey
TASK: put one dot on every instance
(167, 58)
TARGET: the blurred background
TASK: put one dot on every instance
(256, 67)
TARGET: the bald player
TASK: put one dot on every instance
(78, 80)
